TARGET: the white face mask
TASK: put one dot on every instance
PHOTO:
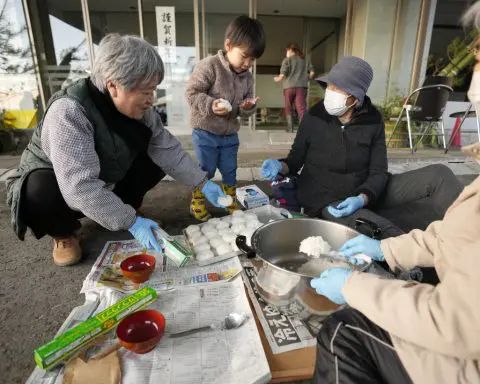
(336, 103)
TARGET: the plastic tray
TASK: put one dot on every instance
(265, 214)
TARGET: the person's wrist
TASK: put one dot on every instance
(363, 198)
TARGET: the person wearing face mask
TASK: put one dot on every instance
(295, 72)
(341, 152)
(220, 91)
(99, 149)
(403, 331)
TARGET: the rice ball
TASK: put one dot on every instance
(195, 235)
(238, 220)
(217, 242)
(229, 237)
(202, 248)
(222, 225)
(207, 228)
(227, 219)
(238, 213)
(205, 255)
(191, 229)
(254, 224)
(211, 235)
(225, 201)
(250, 216)
(214, 221)
(199, 240)
(238, 228)
(223, 249)
(210, 232)
(233, 244)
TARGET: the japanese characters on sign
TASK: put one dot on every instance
(166, 33)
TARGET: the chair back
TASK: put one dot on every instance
(431, 99)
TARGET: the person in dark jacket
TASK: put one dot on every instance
(341, 155)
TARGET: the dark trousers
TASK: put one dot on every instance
(45, 211)
(411, 200)
(296, 97)
(353, 350)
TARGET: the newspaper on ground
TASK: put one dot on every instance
(213, 356)
(284, 333)
(106, 272)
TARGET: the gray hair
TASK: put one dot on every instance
(471, 18)
(126, 60)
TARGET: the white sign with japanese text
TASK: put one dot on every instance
(166, 33)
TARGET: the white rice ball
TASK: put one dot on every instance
(222, 225)
(210, 232)
(250, 216)
(233, 244)
(238, 228)
(223, 249)
(195, 235)
(217, 242)
(229, 237)
(315, 246)
(199, 240)
(214, 221)
(191, 229)
(202, 248)
(254, 224)
(238, 213)
(211, 235)
(207, 228)
(205, 255)
(238, 220)
(227, 219)
(225, 201)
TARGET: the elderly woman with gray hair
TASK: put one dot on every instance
(99, 148)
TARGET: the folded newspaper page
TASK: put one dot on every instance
(284, 333)
(213, 356)
(106, 272)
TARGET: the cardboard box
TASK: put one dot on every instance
(65, 345)
(252, 197)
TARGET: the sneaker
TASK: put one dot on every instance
(66, 251)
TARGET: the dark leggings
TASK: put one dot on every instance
(45, 211)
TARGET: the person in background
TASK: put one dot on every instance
(99, 149)
(341, 153)
(295, 73)
(220, 91)
(402, 331)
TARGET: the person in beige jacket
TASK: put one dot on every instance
(398, 331)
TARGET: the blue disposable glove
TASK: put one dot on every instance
(331, 282)
(212, 192)
(347, 206)
(270, 169)
(142, 230)
(362, 244)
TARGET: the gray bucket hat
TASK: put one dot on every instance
(352, 75)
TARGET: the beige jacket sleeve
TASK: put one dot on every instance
(445, 318)
(415, 248)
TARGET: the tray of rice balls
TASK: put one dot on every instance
(215, 240)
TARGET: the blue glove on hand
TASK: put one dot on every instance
(270, 169)
(331, 282)
(142, 230)
(362, 244)
(212, 192)
(347, 206)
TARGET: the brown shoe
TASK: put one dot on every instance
(66, 251)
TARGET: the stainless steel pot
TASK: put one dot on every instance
(276, 246)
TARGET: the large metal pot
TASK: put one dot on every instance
(276, 245)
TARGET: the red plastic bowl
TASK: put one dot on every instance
(141, 331)
(138, 268)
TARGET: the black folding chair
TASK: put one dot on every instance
(425, 104)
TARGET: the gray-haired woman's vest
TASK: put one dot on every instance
(114, 155)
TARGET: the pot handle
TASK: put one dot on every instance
(376, 232)
(241, 242)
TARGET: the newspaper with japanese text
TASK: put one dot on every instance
(106, 271)
(210, 357)
(284, 333)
